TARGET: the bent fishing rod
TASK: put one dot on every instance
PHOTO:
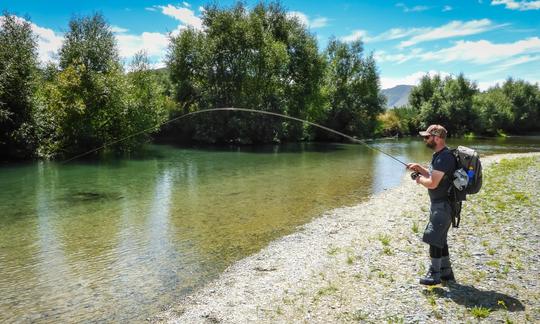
(355, 140)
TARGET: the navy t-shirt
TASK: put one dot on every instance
(443, 161)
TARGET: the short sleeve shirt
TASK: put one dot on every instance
(443, 161)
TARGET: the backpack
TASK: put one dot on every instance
(467, 179)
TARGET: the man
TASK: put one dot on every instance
(437, 179)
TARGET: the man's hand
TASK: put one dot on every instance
(414, 166)
(418, 179)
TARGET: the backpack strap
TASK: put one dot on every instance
(455, 204)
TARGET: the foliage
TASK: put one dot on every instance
(351, 91)
(146, 101)
(447, 101)
(525, 105)
(495, 111)
(18, 67)
(89, 101)
(456, 103)
(258, 59)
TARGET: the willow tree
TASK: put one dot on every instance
(448, 101)
(259, 59)
(18, 66)
(351, 89)
(89, 101)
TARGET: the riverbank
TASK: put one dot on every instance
(362, 263)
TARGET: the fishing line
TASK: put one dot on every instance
(355, 140)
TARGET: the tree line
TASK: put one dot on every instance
(259, 58)
(457, 103)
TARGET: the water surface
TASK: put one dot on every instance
(119, 239)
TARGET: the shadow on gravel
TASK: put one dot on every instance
(470, 296)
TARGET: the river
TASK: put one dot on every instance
(119, 239)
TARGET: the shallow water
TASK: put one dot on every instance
(118, 240)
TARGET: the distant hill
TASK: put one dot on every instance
(397, 96)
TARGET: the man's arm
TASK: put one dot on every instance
(431, 182)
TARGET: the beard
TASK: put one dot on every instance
(431, 144)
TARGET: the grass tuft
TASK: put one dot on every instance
(480, 312)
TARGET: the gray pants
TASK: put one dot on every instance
(440, 219)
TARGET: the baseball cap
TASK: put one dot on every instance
(435, 130)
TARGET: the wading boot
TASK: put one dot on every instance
(446, 269)
(433, 276)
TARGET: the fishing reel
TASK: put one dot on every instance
(415, 175)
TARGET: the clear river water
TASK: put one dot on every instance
(120, 239)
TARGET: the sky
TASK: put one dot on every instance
(486, 40)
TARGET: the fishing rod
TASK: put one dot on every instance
(355, 140)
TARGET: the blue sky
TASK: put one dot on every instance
(487, 40)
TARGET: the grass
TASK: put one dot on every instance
(326, 291)
(493, 263)
(333, 251)
(387, 250)
(478, 275)
(415, 227)
(350, 259)
(355, 316)
(521, 197)
(480, 312)
(395, 319)
(384, 239)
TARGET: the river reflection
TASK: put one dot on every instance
(118, 240)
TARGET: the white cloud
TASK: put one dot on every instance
(411, 79)
(356, 35)
(116, 29)
(391, 34)
(154, 44)
(151, 8)
(483, 51)
(319, 22)
(305, 20)
(447, 8)
(184, 15)
(517, 5)
(48, 41)
(500, 57)
(424, 34)
(413, 9)
(452, 29)
(484, 85)
(187, 5)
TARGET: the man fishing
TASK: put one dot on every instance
(437, 179)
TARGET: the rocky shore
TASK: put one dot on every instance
(362, 263)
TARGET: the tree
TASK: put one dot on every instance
(448, 102)
(495, 111)
(86, 103)
(146, 101)
(18, 66)
(260, 59)
(525, 104)
(352, 91)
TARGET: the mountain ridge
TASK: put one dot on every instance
(397, 96)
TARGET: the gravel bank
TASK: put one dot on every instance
(362, 263)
